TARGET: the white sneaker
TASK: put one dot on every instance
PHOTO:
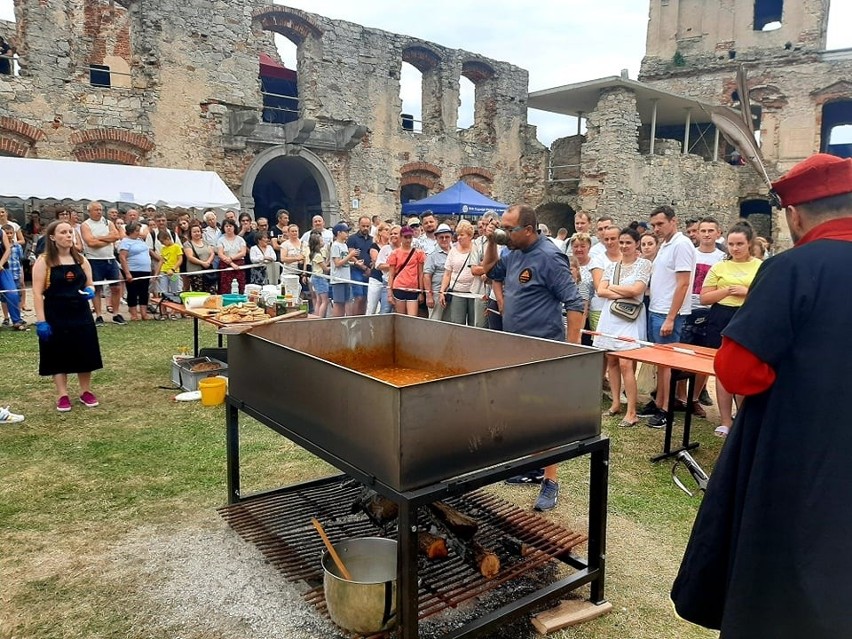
(8, 417)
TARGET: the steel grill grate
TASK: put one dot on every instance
(278, 524)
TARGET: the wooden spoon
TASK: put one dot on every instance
(331, 551)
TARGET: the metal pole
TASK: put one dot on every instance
(716, 145)
(579, 119)
(686, 131)
(653, 126)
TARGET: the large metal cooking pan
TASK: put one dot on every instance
(520, 395)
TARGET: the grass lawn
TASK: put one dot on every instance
(87, 498)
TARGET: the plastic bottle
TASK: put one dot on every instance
(235, 287)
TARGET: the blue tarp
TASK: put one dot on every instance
(459, 199)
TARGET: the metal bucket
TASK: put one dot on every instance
(367, 604)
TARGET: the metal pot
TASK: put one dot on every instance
(367, 604)
(500, 236)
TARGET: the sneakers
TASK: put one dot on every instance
(118, 319)
(698, 410)
(547, 497)
(648, 410)
(704, 398)
(99, 321)
(64, 404)
(657, 420)
(530, 477)
(88, 399)
(20, 326)
(8, 417)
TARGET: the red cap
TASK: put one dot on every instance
(818, 177)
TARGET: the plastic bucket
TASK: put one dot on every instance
(290, 286)
(213, 390)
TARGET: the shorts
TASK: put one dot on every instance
(655, 323)
(341, 293)
(407, 296)
(319, 285)
(695, 328)
(358, 290)
(719, 318)
(104, 270)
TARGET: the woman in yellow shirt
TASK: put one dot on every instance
(725, 288)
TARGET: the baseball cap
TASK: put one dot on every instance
(340, 226)
(406, 231)
(150, 207)
(443, 228)
(820, 176)
(413, 221)
(542, 228)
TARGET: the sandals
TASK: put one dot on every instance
(612, 413)
(722, 431)
(628, 424)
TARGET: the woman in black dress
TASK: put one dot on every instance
(68, 339)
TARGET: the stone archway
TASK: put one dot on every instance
(556, 215)
(299, 182)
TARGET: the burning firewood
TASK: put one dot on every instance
(379, 509)
(432, 546)
(457, 523)
(460, 535)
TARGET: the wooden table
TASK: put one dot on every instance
(698, 361)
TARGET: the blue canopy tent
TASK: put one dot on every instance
(459, 199)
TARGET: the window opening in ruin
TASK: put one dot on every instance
(768, 14)
(411, 94)
(412, 192)
(467, 102)
(836, 137)
(287, 183)
(759, 214)
(279, 83)
(702, 137)
(7, 10)
(99, 75)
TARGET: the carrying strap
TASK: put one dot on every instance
(402, 268)
(616, 274)
(455, 281)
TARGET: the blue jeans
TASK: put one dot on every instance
(655, 322)
(11, 296)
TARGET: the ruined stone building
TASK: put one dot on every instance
(198, 84)
(799, 93)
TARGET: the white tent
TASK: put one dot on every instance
(43, 179)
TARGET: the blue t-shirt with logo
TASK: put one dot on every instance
(537, 284)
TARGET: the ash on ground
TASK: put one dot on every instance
(209, 582)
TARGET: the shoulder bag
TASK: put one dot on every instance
(625, 309)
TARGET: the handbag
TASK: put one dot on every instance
(625, 309)
(209, 279)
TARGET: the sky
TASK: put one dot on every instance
(557, 41)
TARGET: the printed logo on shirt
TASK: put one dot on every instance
(70, 276)
(525, 276)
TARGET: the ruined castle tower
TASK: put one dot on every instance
(799, 91)
(801, 94)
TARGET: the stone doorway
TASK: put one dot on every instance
(300, 183)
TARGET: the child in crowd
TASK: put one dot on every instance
(11, 303)
(341, 259)
(171, 255)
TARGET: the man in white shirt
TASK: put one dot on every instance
(318, 225)
(598, 248)
(706, 255)
(671, 281)
(99, 235)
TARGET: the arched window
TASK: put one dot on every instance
(426, 63)
(836, 135)
(768, 14)
(411, 95)
(280, 70)
(467, 103)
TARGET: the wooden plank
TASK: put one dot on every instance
(568, 613)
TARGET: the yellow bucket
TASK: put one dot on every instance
(213, 390)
